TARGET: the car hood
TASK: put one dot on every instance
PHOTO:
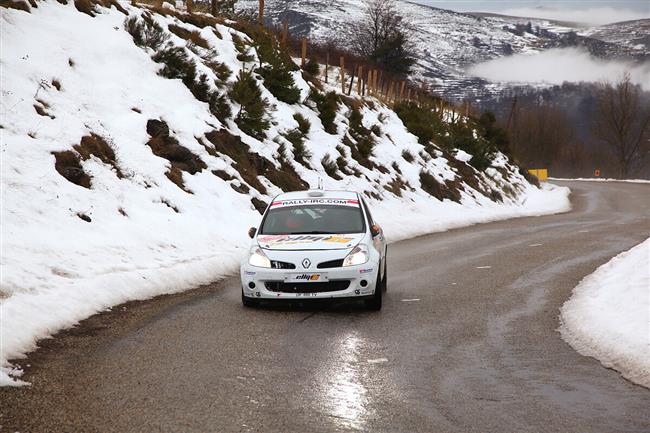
(309, 242)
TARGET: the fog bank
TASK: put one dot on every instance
(558, 65)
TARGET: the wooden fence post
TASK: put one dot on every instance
(351, 81)
(303, 54)
(261, 13)
(359, 79)
(285, 33)
(342, 72)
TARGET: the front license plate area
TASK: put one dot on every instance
(306, 277)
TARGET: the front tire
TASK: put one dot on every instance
(374, 303)
(248, 302)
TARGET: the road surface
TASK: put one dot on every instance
(467, 342)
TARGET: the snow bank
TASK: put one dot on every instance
(141, 235)
(608, 316)
(597, 179)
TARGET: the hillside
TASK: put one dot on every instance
(138, 147)
(448, 42)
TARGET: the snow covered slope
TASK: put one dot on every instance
(119, 184)
(608, 316)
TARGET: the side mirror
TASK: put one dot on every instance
(375, 230)
(251, 232)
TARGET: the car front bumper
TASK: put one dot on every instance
(345, 282)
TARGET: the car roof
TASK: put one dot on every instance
(313, 194)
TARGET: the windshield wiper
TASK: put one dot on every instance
(313, 232)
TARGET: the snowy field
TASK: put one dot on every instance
(70, 251)
(608, 316)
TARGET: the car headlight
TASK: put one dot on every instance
(358, 256)
(258, 258)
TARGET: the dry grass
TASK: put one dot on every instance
(94, 145)
(259, 205)
(57, 84)
(189, 35)
(116, 4)
(250, 165)
(439, 190)
(68, 164)
(167, 147)
(19, 5)
(85, 6)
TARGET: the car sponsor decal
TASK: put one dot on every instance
(365, 271)
(296, 278)
(307, 201)
(302, 239)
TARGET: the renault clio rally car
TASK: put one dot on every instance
(313, 245)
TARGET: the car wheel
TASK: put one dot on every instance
(248, 302)
(374, 303)
(384, 280)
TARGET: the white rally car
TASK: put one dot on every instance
(313, 245)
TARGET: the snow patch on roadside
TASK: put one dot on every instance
(608, 316)
(595, 179)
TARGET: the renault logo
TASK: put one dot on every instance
(306, 263)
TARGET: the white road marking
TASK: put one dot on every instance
(453, 284)
(411, 300)
(377, 361)
(535, 245)
(483, 267)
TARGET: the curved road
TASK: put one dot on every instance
(466, 342)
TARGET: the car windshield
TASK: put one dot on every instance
(313, 219)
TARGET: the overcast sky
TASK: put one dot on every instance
(583, 11)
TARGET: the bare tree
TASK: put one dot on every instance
(622, 121)
(384, 37)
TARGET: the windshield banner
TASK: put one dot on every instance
(315, 201)
(303, 239)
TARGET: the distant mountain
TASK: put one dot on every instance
(449, 42)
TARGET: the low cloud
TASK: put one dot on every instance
(558, 65)
(587, 16)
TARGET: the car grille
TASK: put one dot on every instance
(275, 264)
(325, 286)
(331, 264)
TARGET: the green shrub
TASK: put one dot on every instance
(365, 141)
(221, 70)
(177, 64)
(275, 65)
(244, 56)
(303, 123)
(330, 167)
(280, 83)
(251, 117)
(422, 123)
(219, 106)
(327, 105)
(146, 33)
(312, 67)
(297, 139)
(201, 89)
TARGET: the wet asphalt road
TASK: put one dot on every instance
(466, 342)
